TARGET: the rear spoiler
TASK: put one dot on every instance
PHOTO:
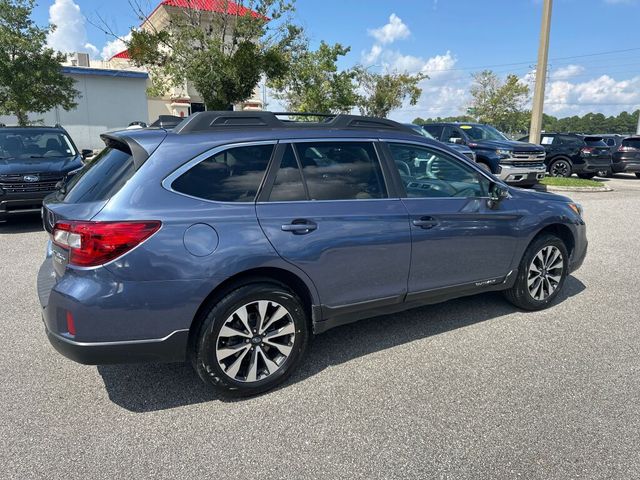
(139, 145)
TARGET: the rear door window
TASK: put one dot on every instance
(233, 175)
(100, 179)
(288, 186)
(341, 170)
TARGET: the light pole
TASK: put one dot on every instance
(541, 74)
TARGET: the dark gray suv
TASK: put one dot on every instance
(233, 238)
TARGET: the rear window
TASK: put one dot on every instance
(100, 179)
(233, 175)
(631, 142)
(595, 142)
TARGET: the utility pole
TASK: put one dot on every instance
(541, 74)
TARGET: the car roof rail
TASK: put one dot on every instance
(213, 120)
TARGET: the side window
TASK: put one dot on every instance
(429, 173)
(567, 141)
(453, 134)
(233, 175)
(341, 170)
(288, 186)
(611, 142)
(435, 130)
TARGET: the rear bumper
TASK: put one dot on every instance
(622, 164)
(112, 325)
(169, 349)
(592, 165)
(516, 175)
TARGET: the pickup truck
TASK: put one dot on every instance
(517, 163)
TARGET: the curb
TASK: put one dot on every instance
(551, 188)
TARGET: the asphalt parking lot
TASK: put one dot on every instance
(470, 388)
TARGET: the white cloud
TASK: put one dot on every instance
(114, 46)
(603, 94)
(70, 34)
(564, 73)
(392, 31)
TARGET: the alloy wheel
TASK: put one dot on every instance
(255, 341)
(560, 168)
(545, 272)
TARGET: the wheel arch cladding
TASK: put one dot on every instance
(561, 231)
(257, 275)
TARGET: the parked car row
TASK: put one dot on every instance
(590, 155)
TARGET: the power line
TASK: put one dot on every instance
(480, 67)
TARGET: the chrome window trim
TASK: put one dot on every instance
(167, 182)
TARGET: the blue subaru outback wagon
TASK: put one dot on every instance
(234, 237)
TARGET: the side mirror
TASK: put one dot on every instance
(456, 140)
(86, 153)
(497, 193)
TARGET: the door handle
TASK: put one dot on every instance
(299, 227)
(425, 222)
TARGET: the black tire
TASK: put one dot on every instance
(216, 316)
(586, 176)
(561, 167)
(637, 175)
(519, 294)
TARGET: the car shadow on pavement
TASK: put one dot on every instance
(152, 387)
(23, 223)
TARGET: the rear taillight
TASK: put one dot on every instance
(626, 148)
(95, 243)
(587, 150)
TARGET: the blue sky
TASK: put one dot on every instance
(447, 39)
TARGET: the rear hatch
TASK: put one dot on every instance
(87, 193)
(630, 149)
(596, 150)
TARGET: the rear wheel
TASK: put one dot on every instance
(586, 176)
(541, 274)
(637, 175)
(560, 168)
(251, 340)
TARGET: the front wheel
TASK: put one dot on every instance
(560, 168)
(541, 274)
(252, 339)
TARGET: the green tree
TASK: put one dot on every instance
(31, 78)
(313, 82)
(384, 92)
(499, 103)
(223, 54)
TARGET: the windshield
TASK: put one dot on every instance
(34, 143)
(483, 132)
